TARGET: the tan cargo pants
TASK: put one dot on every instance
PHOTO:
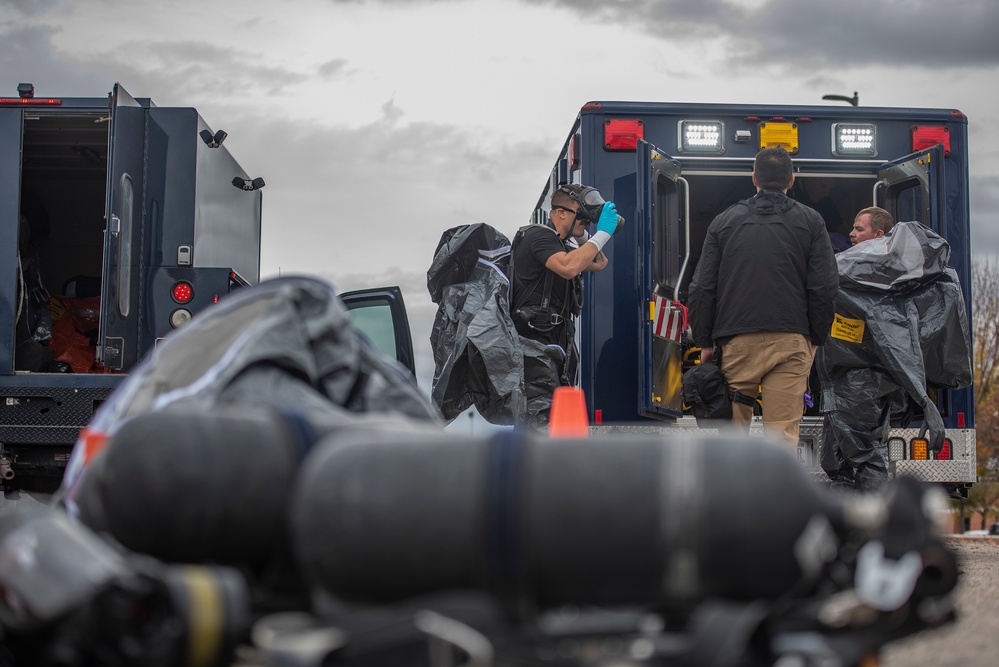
(777, 362)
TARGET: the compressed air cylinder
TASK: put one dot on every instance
(195, 487)
(590, 521)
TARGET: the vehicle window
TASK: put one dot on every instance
(666, 233)
(909, 204)
(374, 320)
(125, 246)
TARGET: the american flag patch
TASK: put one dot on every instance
(669, 318)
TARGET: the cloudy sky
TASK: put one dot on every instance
(378, 124)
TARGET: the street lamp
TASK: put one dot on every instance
(855, 100)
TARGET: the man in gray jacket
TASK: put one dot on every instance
(763, 293)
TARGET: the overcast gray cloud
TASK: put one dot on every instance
(794, 35)
(31, 7)
(199, 66)
(903, 33)
(334, 67)
(29, 56)
(385, 191)
(985, 214)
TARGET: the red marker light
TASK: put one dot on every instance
(622, 134)
(182, 292)
(573, 152)
(945, 452)
(924, 136)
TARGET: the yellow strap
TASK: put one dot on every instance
(205, 617)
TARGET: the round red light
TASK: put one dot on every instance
(182, 292)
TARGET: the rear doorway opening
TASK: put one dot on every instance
(837, 197)
(61, 241)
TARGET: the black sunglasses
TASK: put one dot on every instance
(564, 208)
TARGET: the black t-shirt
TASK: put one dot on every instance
(531, 250)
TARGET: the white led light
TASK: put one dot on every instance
(854, 139)
(701, 136)
(896, 449)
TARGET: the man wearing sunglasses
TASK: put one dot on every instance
(547, 262)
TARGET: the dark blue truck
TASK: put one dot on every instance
(119, 222)
(126, 217)
(672, 167)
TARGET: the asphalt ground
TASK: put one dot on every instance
(973, 640)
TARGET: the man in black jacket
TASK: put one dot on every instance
(763, 293)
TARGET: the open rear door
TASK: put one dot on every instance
(912, 187)
(661, 196)
(10, 183)
(117, 348)
(380, 314)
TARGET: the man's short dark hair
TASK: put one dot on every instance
(560, 198)
(773, 169)
(881, 220)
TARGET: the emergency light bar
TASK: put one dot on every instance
(850, 139)
(773, 134)
(29, 102)
(701, 136)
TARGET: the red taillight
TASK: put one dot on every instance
(182, 292)
(598, 416)
(622, 134)
(945, 452)
(29, 102)
(960, 420)
(924, 136)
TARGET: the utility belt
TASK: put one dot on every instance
(541, 316)
(538, 318)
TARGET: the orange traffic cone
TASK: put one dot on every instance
(568, 414)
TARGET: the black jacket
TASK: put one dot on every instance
(767, 265)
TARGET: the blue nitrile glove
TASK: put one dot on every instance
(608, 219)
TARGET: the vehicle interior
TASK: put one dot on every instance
(836, 197)
(61, 238)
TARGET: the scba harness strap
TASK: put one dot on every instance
(543, 318)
